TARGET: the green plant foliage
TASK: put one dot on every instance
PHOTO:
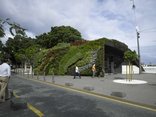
(86, 58)
(61, 45)
(2, 32)
(39, 60)
(1, 50)
(2, 23)
(58, 34)
(70, 58)
(48, 59)
(120, 45)
(62, 58)
(18, 49)
(99, 61)
(130, 56)
(79, 55)
(87, 72)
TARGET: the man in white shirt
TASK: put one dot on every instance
(77, 72)
(5, 72)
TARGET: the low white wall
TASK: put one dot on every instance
(150, 69)
(135, 69)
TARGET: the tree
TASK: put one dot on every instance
(16, 46)
(1, 29)
(12, 45)
(43, 40)
(65, 34)
(1, 50)
(57, 35)
(2, 23)
(30, 53)
(15, 29)
(130, 56)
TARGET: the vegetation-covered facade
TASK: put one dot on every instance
(61, 59)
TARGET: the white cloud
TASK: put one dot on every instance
(93, 18)
(30, 34)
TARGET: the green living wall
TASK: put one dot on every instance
(62, 58)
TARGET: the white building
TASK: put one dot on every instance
(149, 69)
(135, 69)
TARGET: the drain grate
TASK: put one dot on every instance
(152, 84)
(118, 94)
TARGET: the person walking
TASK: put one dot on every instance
(93, 70)
(77, 72)
(5, 73)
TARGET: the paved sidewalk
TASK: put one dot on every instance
(140, 93)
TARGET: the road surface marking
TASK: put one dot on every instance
(35, 110)
(31, 107)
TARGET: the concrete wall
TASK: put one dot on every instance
(149, 69)
(135, 69)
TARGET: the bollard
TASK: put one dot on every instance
(37, 75)
(44, 76)
(32, 75)
(52, 79)
(28, 73)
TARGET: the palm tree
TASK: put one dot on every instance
(2, 22)
(15, 29)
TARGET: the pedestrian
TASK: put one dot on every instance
(93, 70)
(5, 72)
(77, 72)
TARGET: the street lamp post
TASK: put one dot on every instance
(138, 36)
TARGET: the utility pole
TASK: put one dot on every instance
(138, 36)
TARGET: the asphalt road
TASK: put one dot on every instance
(59, 102)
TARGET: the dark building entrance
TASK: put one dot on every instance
(113, 59)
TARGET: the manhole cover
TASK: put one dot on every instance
(102, 80)
(118, 78)
(18, 103)
(88, 88)
(118, 94)
(152, 84)
(68, 84)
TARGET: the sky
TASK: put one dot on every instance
(113, 19)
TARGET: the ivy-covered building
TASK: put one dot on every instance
(105, 53)
(113, 58)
